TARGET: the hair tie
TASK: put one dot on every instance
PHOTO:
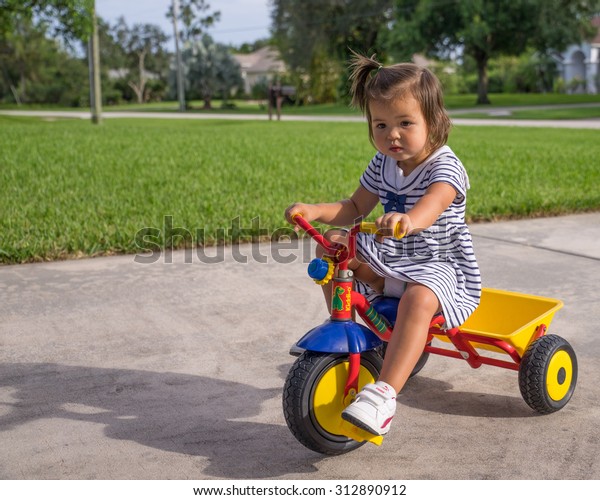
(377, 70)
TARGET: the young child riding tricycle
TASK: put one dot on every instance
(411, 276)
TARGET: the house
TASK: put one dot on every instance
(122, 73)
(579, 65)
(264, 64)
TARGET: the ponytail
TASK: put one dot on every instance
(362, 68)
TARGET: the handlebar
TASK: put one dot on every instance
(337, 250)
(363, 227)
(333, 249)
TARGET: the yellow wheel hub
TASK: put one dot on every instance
(328, 399)
(559, 375)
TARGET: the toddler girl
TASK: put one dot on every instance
(422, 186)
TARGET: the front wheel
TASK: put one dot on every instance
(313, 398)
(548, 374)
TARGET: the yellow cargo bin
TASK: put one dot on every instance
(509, 316)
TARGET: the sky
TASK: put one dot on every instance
(241, 20)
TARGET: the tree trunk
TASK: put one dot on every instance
(13, 89)
(23, 87)
(15, 94)
(140, 89)
(482, 81)
(139, 92)
(96, 83)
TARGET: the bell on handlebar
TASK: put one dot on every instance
(321, 270)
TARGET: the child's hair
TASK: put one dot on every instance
(372, 81)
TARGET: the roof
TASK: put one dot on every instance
(265, 60)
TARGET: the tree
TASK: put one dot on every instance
(71, 19)
(210, 69)
(484, 29)
(112, 54)
(314, 38)
(35, 68)
(250, 47)
(189, 13)
(143, 50)
(20, 51)
(194, 18)
(564, 22)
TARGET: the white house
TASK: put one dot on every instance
(264, 63)
(580, 63)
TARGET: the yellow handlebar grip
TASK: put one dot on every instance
(371, 227)
(368, 227)
(398, 233)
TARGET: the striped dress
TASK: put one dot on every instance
(441, 256)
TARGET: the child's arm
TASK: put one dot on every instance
(425, 212)
(339, 213)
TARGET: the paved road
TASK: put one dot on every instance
(503, 122)
(116, 369)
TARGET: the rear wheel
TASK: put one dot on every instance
(420, 363)
(548, 374)
(313, 398)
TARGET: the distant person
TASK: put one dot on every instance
(275, 100)
(422, 186)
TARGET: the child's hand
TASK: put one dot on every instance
(387, 224)
(308, 212)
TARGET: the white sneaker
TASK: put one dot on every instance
(373, 408)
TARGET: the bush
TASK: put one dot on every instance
(559, 87)
(260, 89)
(529, 72)
(448, 75)
(577, 86)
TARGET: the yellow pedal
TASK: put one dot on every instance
(358, 434)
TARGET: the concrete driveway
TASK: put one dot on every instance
(116, 369)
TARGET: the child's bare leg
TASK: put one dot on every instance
(375, 405)
(417, 306)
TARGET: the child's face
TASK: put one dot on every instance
(399, 130)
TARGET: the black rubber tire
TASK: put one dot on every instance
(298, 390)
(534, 374)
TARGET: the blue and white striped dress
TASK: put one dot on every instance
(440, 257)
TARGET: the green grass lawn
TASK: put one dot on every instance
(73, 189)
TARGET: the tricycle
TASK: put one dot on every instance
(340, 356)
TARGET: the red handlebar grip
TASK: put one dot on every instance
(333, 249)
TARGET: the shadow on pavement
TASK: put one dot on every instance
(180, 413)
(438, 396)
